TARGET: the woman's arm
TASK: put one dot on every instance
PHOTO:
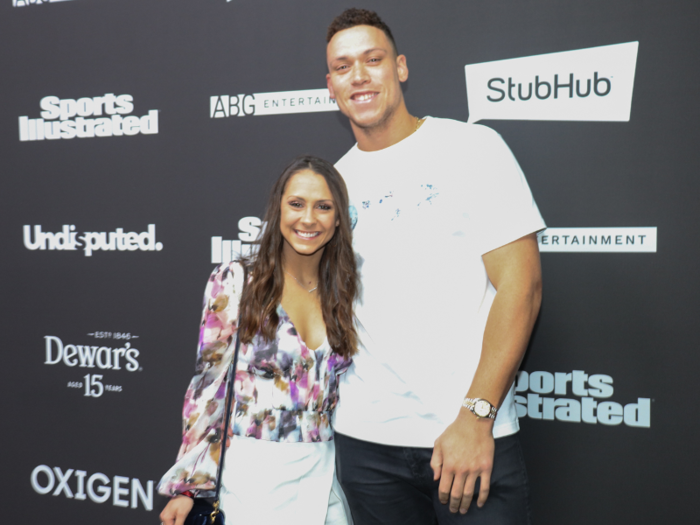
(176, 510)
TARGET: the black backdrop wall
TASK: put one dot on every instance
(110, 229)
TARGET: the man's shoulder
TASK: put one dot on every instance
(439, 135)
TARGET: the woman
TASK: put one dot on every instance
(297, 334)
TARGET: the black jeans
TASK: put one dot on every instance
(387, 485)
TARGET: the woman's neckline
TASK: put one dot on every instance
(325, 342)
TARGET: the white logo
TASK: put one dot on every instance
(277, 103)
(125, 492)
(22, 3)
(93, 356)
(66, 127)
(626, 240)
(86, 356)
(68, 239)
(586, 409)
(593, 84)
(223, 251)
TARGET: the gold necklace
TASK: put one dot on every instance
(419, 121)
(299, 282)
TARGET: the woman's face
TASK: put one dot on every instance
(308, 214)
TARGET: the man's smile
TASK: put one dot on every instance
(364, 96)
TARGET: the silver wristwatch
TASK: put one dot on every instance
(480, 407)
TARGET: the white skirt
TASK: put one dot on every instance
(282, 483)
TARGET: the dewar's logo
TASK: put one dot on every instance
(593, 84)
(69, 118)
(94, 358)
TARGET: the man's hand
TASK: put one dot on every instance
(463, 453)
(176, 510)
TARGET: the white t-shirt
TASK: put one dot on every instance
(427, 209)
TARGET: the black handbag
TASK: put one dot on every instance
(204, 511)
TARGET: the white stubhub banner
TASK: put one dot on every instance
(593, 84)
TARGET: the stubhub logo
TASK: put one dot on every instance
(593, 84)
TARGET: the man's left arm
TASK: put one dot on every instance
(464, 452)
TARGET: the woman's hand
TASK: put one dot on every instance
(176, 510)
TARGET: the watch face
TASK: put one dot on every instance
(482, 408)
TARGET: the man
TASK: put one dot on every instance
(445, 238)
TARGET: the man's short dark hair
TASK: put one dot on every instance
(359, 17)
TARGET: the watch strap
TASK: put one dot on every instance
(470, 403)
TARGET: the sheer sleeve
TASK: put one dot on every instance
(203, 410)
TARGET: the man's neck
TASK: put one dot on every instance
(395, 130)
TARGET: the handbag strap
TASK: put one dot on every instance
(230, 387)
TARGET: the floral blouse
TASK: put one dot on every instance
(283, 390)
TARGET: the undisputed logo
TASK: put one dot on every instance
(70, 118)
(593, 84)
(604, 240)
(76, 484)
(69, 239)
(275, 103)
(587, 406)
(223, 251)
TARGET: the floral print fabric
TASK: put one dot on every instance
(283, 390)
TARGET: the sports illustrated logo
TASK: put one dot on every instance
(76, 484)
(593, 84)
(94, 357)
(68, 239)
(223, 251)
(625, 240)
(22, 3)
(276, 103)
(587, 408)
(66, 127)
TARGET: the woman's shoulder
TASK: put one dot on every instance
(227, 270)
(226, 278)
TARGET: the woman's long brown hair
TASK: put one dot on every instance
(338, 281)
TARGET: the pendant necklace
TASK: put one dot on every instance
(299, 282)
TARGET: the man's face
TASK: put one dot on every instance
(364, 75)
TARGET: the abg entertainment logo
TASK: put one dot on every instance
(99, 488)
(586, 407)
(593, 84)
(68, 239)
(275, 103)
(223, 251)
(93, 358)
(67, 119)
(601, 240)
